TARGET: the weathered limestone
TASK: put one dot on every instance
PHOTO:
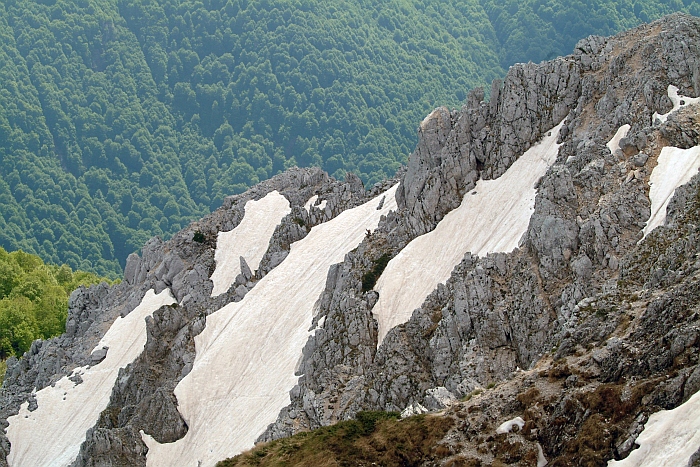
(579, 286)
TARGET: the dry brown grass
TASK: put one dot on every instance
(375, 438)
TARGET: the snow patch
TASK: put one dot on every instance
(310, 202)
(541, 460)
(670, 438)
(675, 167)
(249, 239)
(246, 356)
(614, 143)
(678, 102)
(507, 427)
(492, 218)
(52, 434)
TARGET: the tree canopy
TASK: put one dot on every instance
(536, 30)
(34, 299)
(124, 119)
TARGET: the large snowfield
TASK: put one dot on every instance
(670, 438)
(51, 435)
(247, 354)
(249, 239)
(492, 218)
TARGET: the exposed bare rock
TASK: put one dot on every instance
(562, 289)
(143, 397)
(583, 331)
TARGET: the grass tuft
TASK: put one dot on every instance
(370, 277)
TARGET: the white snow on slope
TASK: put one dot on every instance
(312, 201)
(541, 460)
(675, 167)
(492, 218)
(669, 439)
(678, 102)
(614, 143)
(247, 354)
(249, 239)
(51, 435)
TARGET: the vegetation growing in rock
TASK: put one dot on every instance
(373, 438)
(198, 237)
(370, 277)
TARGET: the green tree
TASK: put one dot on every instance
(34, 299)
(18, 326)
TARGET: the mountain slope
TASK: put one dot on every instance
(124, 119)
(541, 30)
(602, 318)
(118, 127)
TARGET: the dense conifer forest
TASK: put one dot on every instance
(124, 119)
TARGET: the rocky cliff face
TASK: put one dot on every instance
(583, 331)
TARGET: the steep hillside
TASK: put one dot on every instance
(127, 119)
(124, 119)
(510, 280)
(543, 29)
(33, 300)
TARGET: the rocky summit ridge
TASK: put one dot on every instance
(584, 331)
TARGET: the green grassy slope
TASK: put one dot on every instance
(373, 438)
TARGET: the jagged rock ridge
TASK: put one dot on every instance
(605, 327)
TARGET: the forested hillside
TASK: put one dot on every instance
(124, 119)
(536, 30)
(33, 300)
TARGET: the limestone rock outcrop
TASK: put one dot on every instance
(583, 331)
(505, 312)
